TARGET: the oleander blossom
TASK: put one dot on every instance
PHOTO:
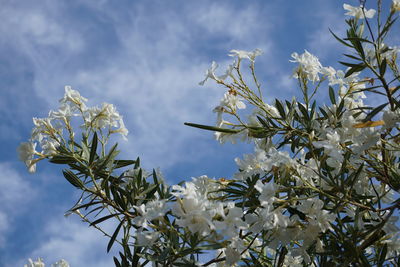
(26, 153)
(39, 263)
(358, 12)
(241, 54)
(309, 66)
(395, 6)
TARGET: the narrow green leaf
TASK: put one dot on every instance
(59, 159)
(374, 112)
(340, 108)
(332, 95)
(304, 111)
(73, 179)
(280, 108)
(354, 69)
(93, 148)
(382, 255)
(114, 236)
(116, 262)
(382, 67)
(323, 112)
(110, 156)
(263, 122)
(102, 219)
(137, 163)
(352, 57)
(358, 39)
(212, 128)
(123, 163)
(85, 206)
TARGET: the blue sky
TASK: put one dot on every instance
(147, 58)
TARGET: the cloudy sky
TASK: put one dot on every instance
(147, 58)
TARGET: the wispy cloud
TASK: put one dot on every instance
(72, 240)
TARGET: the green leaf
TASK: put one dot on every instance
(73, 179)
(93, 148)
(352, 57)
(332, 95)
(123, 163)
(354, 69)
(86, 205)
(258, 132)
(382, 255)
(382, 67)
(116, 262)
(280, 108)
(323, 112)
(374, 112)
(102, 219)
(59, 159)
(263, 122)
(340, 108)
(137, 163)
(110, 156)
(114, 236)
(212, 128)
(358, 39)
(304, 111)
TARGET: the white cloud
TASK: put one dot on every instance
(74, 241)
(149, 68)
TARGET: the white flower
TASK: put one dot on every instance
(193, 214)
(251, 164)
(38, 263)
(267, 191)
(358, 13)
(228, 71)
(232, 101)
(395, 6)
(146, 238)
(232, 256)
(308, 64)
(105, 116)
(241, 54)
(210, 73)
(63, 113)
(73, 97)
(232, 222)
(391, 118)
(26, 152)
(331, 145)
(149, 211)
(293, 261)
(61, 263)
(273, 111)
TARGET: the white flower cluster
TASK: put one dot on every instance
(340, 139)
(49, 132)
(40, 263)
(308, 64)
